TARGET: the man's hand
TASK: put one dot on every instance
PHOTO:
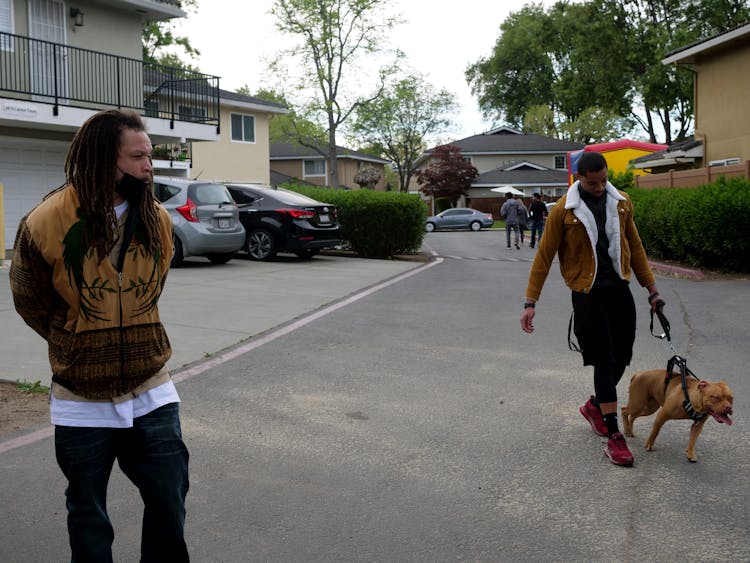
(526, 320)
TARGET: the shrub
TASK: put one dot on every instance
(376, 224)
(705, 226)
(622, 180)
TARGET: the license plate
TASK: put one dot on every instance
(324, 219)
(224, 223)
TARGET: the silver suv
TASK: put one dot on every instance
(205, 218)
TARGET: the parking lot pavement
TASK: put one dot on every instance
(206, 307)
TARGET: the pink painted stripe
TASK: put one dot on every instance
(204, 366)
(219, 359)
(27, 439)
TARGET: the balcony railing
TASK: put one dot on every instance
(41, 71)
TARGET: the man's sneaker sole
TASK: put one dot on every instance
(624, 463)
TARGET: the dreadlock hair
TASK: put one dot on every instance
(91, 168)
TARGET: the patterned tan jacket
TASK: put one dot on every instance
(102, 327)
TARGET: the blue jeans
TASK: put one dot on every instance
(537, 228)
(153, 456)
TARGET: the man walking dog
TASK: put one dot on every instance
(592, 230)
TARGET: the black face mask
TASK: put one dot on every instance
(131, 188)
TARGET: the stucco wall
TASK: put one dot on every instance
(721, 108)
(227, 160)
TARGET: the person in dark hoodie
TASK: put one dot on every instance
(592, 231)
(88, 267)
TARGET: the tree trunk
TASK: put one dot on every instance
(333, 169)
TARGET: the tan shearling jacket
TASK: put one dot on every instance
(102, 327)
(571, 233)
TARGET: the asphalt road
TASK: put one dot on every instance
(418, 423)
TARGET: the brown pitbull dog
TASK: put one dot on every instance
(650, 390)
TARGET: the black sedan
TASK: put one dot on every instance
(279, 220)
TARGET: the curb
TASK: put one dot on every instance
(678, 271)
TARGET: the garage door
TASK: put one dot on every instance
(29, 169)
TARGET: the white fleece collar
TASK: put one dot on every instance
(611, 225)
(574, 196)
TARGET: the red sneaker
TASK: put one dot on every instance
(592, 413)
(617, 450)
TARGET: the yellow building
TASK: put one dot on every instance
(618, 155)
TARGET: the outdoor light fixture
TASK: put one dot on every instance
(77, 16)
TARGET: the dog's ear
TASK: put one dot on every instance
(703, 384)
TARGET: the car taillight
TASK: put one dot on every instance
(297, 213)
(189, 211)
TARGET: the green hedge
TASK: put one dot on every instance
(376, 224)
(707, 226)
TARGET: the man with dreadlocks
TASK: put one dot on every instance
(89, 265)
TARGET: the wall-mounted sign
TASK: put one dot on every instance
(19, 111)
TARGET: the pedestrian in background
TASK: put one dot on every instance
(511, 213)
(89, 265)
(537, 217)
(593, 232)
(523, 219)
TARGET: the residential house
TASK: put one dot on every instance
(308, 164)
(62, 62)
(242, 152)
(507, 157)
(721, 144)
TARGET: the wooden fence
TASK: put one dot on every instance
(692, 178)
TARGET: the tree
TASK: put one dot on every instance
(397, 123)
(597, 65)
(449, 175)
(158, 37)
(334, 36)
(367, 177)
(593, 125)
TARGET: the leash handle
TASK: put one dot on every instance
(659, 309)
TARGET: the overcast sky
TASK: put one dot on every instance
(439, 37)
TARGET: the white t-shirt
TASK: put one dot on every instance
(106, 414)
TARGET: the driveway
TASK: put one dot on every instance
(415, 422)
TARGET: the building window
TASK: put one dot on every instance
(6, 24)
(315, 167)
(243, 128)
(561, 162)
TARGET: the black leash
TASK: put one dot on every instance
(676, 359)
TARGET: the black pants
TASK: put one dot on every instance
(604, 324)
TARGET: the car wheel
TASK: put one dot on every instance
(429, 227)
(475, 226)
(261, 245)
(306, 253)
(177, 255)
(221, 258)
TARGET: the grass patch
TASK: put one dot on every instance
(35, 387)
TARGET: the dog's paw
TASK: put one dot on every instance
(649, 447)
(692, 458)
